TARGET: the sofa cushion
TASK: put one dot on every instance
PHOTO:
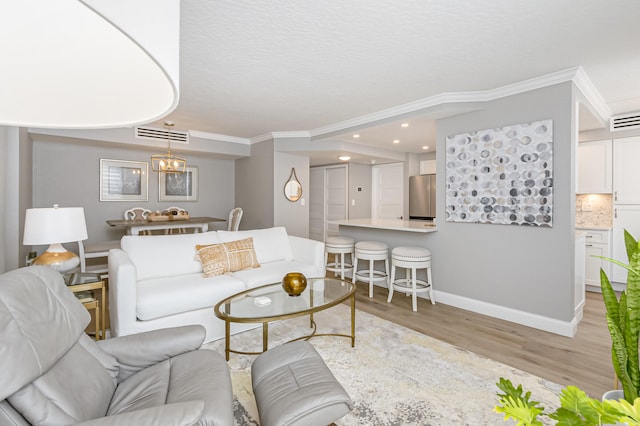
(172, 295)
(271, 244)
(52, 400)
(158, 256)
(181, 379)
(273, 272)
(237, 255)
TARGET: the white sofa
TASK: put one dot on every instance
(156, 281)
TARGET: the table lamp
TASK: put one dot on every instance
(55, 226)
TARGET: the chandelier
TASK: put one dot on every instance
(168, 163)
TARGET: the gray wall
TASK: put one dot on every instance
(67, 172)
(255, 186)
(526, 268)
(292, 215)
(15, 194)
(359, 176)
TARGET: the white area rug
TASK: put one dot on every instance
(394, 375)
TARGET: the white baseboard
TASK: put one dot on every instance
(552, 325)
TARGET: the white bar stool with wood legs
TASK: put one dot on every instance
(338, 247)
(371, 251)
(411, 258)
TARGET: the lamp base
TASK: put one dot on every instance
(60, 261)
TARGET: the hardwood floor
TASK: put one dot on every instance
(583, 361)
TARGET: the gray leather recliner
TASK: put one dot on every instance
(52, 373)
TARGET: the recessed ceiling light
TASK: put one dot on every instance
(425, 147)
(344, 158)
(405, 124)
(396, 141)
(356, 136)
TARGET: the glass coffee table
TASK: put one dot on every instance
(270, 303)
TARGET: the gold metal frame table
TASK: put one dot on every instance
(270, 303)
(81, 282)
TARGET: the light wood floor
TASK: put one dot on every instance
(583, 361)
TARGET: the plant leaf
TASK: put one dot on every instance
(516, 405)
(628, 413)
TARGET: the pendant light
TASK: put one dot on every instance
(168, 163)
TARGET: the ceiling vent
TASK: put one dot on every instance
(152, 133)
(625, 122)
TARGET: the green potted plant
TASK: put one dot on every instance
(623, 321)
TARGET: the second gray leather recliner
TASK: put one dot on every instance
(54, 374)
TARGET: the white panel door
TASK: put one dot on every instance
(624, 217)
(335, 197)
(388, 191)
(316, 204)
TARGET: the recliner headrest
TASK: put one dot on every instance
(40, 320)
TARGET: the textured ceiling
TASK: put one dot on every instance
(249, 68)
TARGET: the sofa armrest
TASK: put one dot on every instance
(139, 351)
(176, 414)
(308, 251)
(123, 285)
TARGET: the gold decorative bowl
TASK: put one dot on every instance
(294, 283)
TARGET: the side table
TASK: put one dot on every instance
(90, 290)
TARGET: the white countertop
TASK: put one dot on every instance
(594, 228)
(390, 224)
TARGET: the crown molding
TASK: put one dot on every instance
(576, 74)
(588, 89)
(280, 135)
(219, 137)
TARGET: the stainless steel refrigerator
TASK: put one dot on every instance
(422, 197)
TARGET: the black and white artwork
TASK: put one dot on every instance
(179, 186)
(122, 180)
(501, 176)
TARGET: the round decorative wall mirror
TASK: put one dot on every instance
(293, 188)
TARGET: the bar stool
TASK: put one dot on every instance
(371, 251)
(411, 258)
(339, 246)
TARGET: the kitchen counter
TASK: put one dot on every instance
(593, 228)
(420, 226)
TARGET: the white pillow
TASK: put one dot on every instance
(158, 256)
(270, 244)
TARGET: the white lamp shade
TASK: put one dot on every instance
(54, 225)
(90, 63)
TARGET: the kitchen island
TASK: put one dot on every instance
(393, 232)
(422, 226)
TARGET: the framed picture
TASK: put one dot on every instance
(122, 180)
(178, 186)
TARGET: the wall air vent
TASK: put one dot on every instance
(152, 133)
(625, 122)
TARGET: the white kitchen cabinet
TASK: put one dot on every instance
(624, 217)
(594, 167)
(428, 167)
(597, 243)
(626, 159)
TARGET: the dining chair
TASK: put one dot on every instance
(175, 210)
(94, 251)
(137, 213)
(234, 219)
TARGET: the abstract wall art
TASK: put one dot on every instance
(501, 176)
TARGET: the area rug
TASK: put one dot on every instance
(394, 375)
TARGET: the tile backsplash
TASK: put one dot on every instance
(594, 210)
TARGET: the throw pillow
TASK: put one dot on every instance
(232, 256)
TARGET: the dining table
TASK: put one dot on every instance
(135, 226)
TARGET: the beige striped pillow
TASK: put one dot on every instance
(233, 256)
